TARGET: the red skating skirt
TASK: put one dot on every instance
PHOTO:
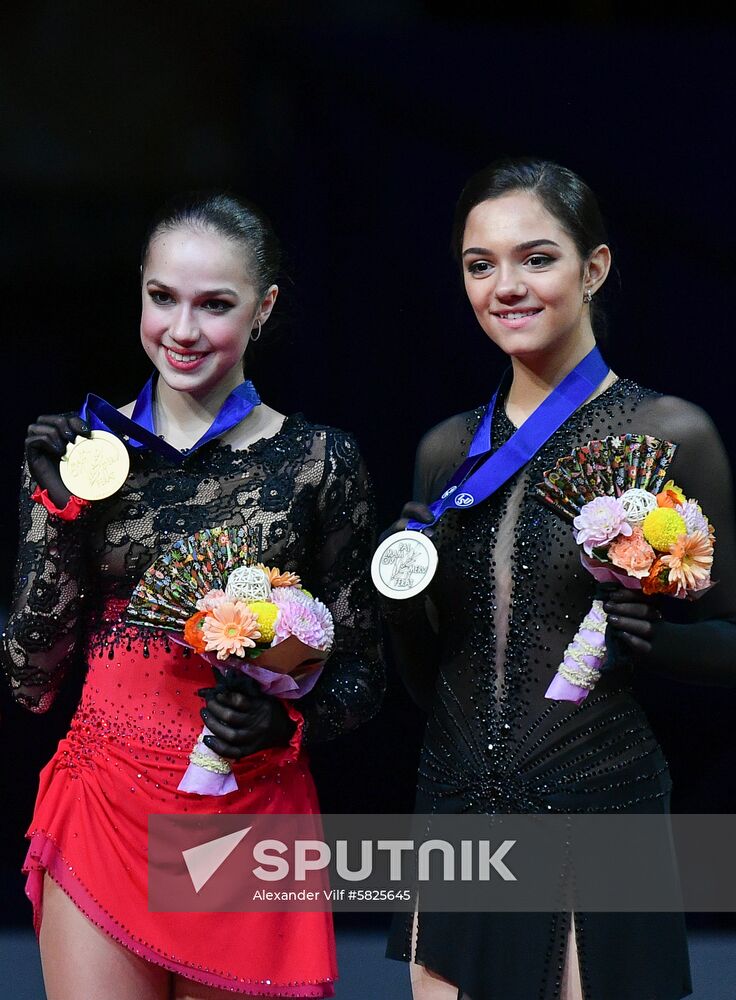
(125, 754)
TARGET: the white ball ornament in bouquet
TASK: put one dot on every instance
(248, 583)
(637, 504)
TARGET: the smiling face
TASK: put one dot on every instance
(199, 308)
(525, 278)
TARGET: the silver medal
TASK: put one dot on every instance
(403, 564)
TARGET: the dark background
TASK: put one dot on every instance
(354, 126)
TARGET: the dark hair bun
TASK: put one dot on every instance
(235, 219)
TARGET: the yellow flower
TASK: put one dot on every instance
(230, 628)
(266, 614)
(689, 561)
(670, 485)
(662, 527)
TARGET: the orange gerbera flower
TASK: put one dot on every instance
(278, 579)
(193, 631)
(230, 629)
(658, 581)
(689, 561)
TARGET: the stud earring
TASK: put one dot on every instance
(587, 295)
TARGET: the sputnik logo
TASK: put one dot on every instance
(203, 861)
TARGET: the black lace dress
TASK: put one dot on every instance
(129, 741)
(508, 596)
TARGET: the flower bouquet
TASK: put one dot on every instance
(634, 529)
(208, 595)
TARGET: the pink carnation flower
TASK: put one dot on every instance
(300, 620)
(632, 553)
(211, 600)
(599, 522)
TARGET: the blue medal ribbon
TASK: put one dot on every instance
(484, 470)
(138, 430)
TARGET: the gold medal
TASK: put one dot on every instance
(94, 468)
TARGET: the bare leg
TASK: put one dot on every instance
(81, 961)
(185, 989)
(425, 984)
(572, 987)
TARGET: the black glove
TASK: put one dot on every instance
(701, 652)
(412, 511)
(243, 719)
(633, 619)
(46, 442)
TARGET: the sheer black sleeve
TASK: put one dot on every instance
(352, 684)
(412, 624)
(702, 647)
(441, 451)
(42, 630)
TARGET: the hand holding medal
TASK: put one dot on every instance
(74, 465)
(405, 561)
(94, 467)
(68, 461)
(404, 564)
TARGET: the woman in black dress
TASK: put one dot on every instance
(480, 650)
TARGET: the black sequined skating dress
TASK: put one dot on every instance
(509, 594)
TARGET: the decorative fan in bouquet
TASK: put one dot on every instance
(633, 528)
(209, 596)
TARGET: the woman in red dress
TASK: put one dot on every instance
(208, 286)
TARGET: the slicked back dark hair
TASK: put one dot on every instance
(237, 220)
